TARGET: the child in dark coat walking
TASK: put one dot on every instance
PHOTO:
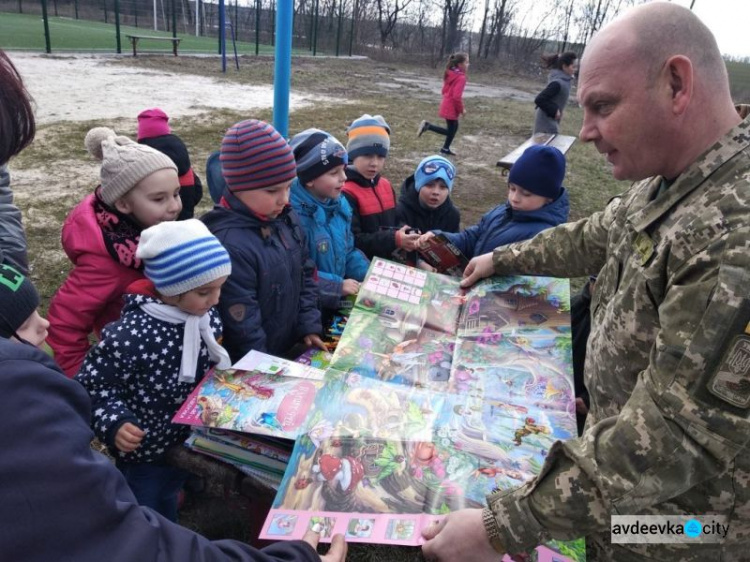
(150, 360)
(536, 201)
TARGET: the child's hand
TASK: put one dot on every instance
(313, 340)
(407, 241)
(128, 437)
(349, 287)
(424, 238)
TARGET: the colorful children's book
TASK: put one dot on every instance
(434, 397)
(262, 394)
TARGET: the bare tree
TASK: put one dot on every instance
(454, 11)
(388, 12)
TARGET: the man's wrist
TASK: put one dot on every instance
(492, 530)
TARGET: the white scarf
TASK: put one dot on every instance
(196, 328)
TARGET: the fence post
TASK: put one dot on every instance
(355, 9)
(338, 29)
(174, 20)
(315, 28)
(20, 6)
(106, 17)
(117, 26)
(47, 43)
(75, 3)
(257, 26)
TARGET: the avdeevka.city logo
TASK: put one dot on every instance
(693, 528)
(662, 529)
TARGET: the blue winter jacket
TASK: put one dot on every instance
(502, 225)
(270, 301)
(69, 502)
(330, 242)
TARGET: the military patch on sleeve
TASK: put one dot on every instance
(644, 247)
(237, 312)
(731, 380)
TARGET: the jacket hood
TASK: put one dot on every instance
(410, 198)
(558, 74)
(553, 213)
(306, 204)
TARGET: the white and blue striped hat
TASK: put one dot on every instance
(181, 256)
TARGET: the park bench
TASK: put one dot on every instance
(135, 38)
(561, 142)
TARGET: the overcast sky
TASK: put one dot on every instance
(728, 20)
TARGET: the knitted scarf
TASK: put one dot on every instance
(121, 233)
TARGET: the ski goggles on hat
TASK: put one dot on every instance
(431, 167)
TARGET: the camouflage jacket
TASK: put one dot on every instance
(667, 366)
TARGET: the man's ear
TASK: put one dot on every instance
(680, 75)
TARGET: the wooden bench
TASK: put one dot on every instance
(135, 38)
(561, 142)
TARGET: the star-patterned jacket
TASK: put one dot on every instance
(131, 376)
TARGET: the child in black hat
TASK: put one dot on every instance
(19, 318)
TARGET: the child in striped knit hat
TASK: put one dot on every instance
(270, 301)
(150, 360)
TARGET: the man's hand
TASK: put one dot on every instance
(350, 287)
(314, 340)
(478, 268)
(407, 241)
(461, 532)
(337, 552)
(128, 437)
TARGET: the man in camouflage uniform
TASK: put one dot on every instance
(668, 360)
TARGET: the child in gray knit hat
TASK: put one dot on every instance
(139, 188)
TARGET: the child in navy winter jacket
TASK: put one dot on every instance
(425, 203)
(536, 201)
(370, 195)
(153, 357)
(326, 216)
(154, 131)
(270, 302)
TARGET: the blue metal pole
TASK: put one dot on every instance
(282, 79)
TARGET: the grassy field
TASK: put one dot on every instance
(23, 31)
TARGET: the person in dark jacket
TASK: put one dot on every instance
(326, 216)
(551, 102)
(69, 502)
(425, 203)
(370, 195)
(137, 389)
(270, 301)
(536, 201)
(154, 131)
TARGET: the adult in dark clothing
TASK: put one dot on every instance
(17, 129)
(551, 102)
(580, 322)
(425, 202)
(65, 501)
(154, 131)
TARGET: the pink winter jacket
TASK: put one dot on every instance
(91, 296)
(452, 105)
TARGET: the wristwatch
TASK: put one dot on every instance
(493, 531)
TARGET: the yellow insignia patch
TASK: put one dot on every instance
(644, 247)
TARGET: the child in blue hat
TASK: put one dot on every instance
(425, 203)
(536, 201)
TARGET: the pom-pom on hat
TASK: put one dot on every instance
(540, 170)
(153, 123)
(432, 168)
(254, 155)
(181, 256)
(369, 134)
(124, 162)
(316, 152)
(18, 300)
